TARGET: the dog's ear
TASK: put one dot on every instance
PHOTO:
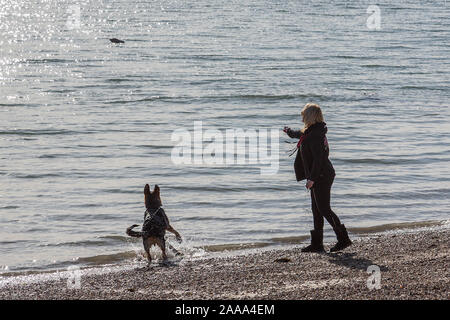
(156, 190)
(147, 195)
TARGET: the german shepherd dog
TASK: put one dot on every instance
(155, 224)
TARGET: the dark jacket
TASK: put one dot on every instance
(312, 161)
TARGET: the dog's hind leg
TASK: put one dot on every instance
(162, 245)
(147, 250)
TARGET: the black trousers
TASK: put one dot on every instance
(320, 204)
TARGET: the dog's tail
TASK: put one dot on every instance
(132, 233)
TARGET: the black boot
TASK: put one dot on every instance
(316, 242)
(342, 237)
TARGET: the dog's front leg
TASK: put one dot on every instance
(175, 232)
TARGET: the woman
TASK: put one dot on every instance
(312, 164)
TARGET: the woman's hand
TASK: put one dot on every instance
(309, 184)
(292, 133)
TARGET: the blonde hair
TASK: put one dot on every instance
(311, 114)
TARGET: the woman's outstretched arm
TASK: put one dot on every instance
(293, 133)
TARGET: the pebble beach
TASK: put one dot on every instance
(411, 265)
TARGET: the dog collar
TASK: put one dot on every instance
(148, 215)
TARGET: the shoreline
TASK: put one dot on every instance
(413, 265)
(118, 258)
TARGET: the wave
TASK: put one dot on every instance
(115, 190)
(83, 217)
(39, 132)
(229, 188)
(209, 57)
(108, 258)
(198, 218)
(36, 176)
(14, 242)
(235, 246)
(424, 88)
(224, 98)
(397, 160)
(154, 146)
(87, 243)
(397, 226)
(45, 61)
(350, 57)
(416, 195)
(9, 207)
(51, 156)
(372, 66)
(15, 105)
(120, 80)
(25, 132)
(119, 238)
(290, 240)
(375, 161)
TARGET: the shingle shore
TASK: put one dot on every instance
(413, 265)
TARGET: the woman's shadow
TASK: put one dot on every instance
(350, 261)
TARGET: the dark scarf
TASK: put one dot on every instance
(319, 126)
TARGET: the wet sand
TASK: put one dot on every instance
(413, 265)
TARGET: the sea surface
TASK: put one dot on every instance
(85, 123)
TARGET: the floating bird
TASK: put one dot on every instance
(115, 40)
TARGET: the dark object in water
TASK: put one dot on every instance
(115, 40)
